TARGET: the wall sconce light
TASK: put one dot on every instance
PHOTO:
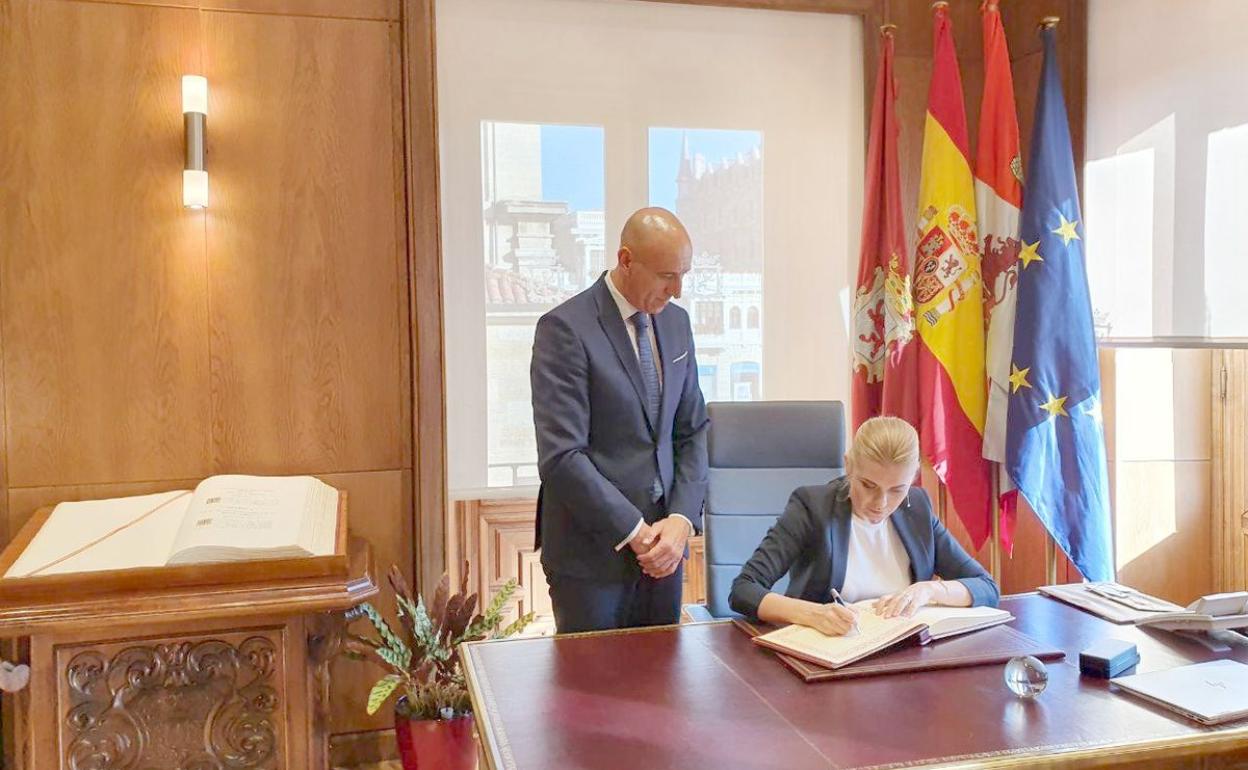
(195, 120)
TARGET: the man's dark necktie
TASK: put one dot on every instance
(650, 379)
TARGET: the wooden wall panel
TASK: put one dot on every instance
(339, 9)
(1229, 445)
(145, 346)
(381, 10)
(24, 501)
(306, 274)
(495, 538)
(102, 295)
(380, 512)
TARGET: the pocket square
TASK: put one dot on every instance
(680, 357)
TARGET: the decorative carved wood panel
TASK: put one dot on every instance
(496, 539)
(182, 703)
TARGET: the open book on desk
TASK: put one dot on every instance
(225, 518)
(876, 633)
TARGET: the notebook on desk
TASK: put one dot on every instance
(1210, 693)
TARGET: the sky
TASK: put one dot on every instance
(573, 168)
(714, 144)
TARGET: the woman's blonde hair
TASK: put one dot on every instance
(886, 440)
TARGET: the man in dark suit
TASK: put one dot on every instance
(621, 436)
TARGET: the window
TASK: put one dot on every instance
(708, 380)
(542, 230)
(747, 384)
(545, 149)
(1167, 155)
(708, 318)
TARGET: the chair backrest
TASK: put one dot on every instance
(759, 452)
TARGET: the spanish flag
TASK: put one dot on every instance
(948, 297)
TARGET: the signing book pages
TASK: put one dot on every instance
(225, 518)
(876, 633)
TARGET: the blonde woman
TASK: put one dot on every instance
(867, 535)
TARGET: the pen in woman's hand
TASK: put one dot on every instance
(838, 599)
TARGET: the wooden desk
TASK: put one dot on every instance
(231, 676)
(702, 696)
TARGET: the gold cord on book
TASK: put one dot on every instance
(105, 536)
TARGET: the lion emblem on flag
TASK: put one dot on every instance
(883, 319)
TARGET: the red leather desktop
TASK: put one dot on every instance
(703, 696)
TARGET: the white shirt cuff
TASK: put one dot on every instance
(632, 534)
(692, 531)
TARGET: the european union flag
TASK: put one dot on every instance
(1055, 441)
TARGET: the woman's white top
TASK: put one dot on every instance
(877, 563)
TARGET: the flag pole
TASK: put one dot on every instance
(994, 550)
(1050, 547)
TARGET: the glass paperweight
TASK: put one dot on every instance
(1026, 676)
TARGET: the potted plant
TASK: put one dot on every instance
(433, 715)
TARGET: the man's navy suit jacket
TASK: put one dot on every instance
(598, 453)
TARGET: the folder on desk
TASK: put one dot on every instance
(1210, 693)
(985, 647)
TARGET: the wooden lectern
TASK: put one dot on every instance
(196, 666)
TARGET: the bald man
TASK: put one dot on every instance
(621, 436)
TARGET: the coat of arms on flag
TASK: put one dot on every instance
(883, 319)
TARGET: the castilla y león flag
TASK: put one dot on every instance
(998, 199)
(948, 297)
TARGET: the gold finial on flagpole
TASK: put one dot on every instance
(1049, 22)
(940, 4)
(887, 30)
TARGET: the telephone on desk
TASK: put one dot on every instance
(1212, 612)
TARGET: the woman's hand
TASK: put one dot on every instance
(830, 619)
(906, 602)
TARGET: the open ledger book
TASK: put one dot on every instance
(225, 518)
(876, 633)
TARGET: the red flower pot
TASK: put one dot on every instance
(436, 744)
